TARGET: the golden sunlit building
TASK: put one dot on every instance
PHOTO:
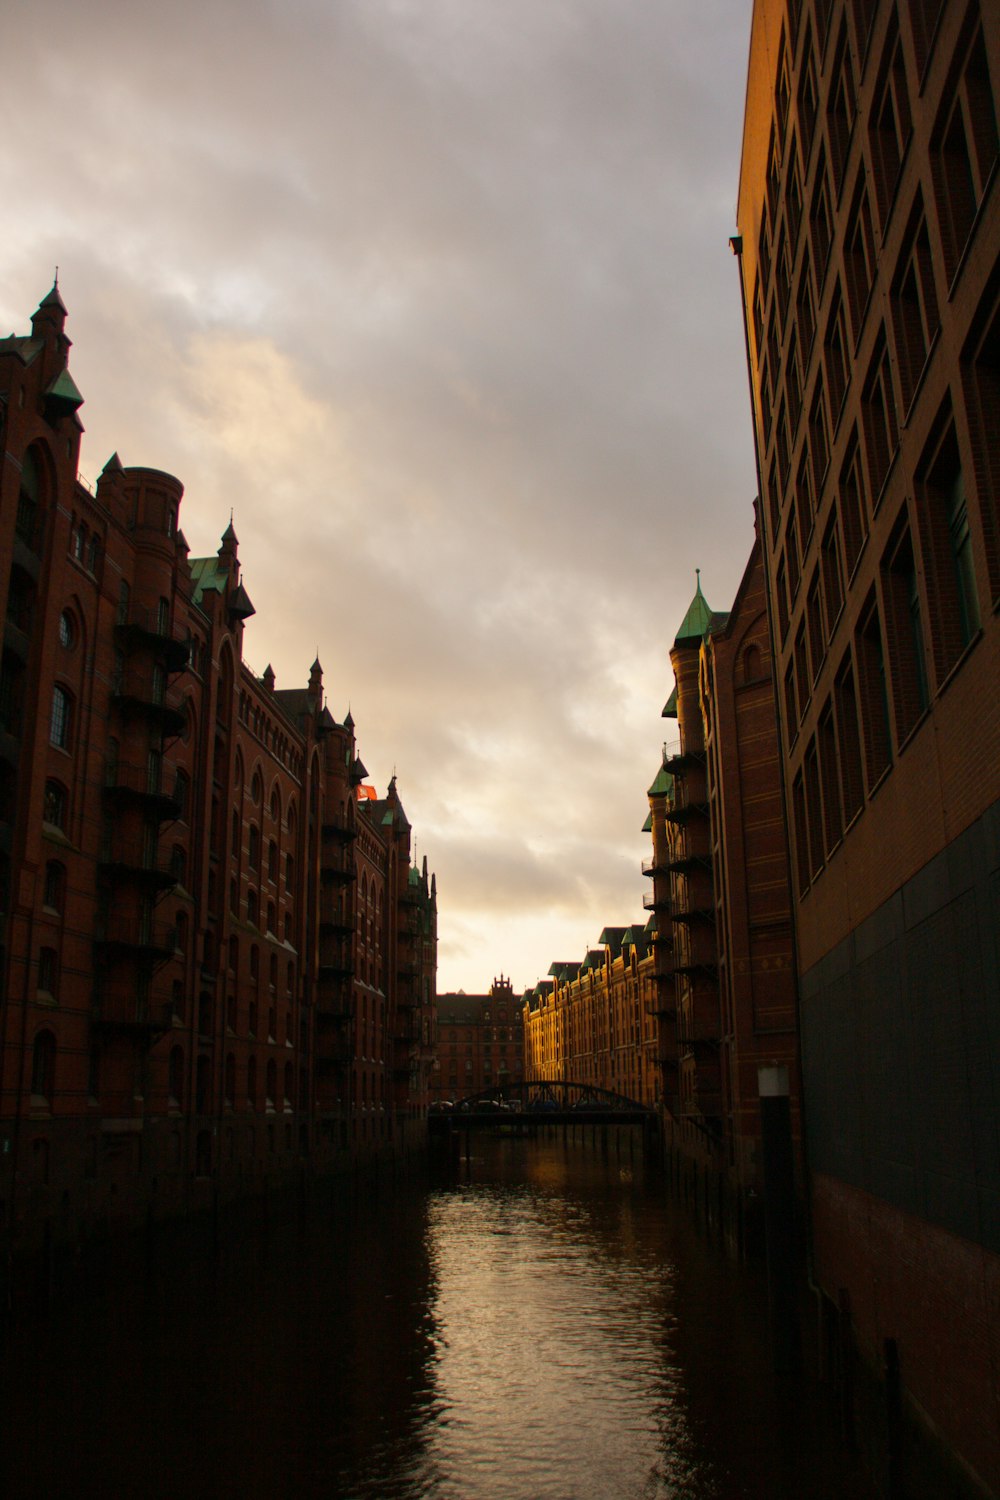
(869, 252)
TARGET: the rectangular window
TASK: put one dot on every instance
(848, 741)
(814, 809)
(904, 631)
(859, 257)
(781, 588)
(820, 220)
(836, 354)
(59, 722)
(946, 544)
(982, 386)
(783, 281)
(814, 621)
(923, 23)
(805, 496)
(873, 694)
(793, 382)
(914, 306)
(891, 123)
(826, 739)
(793, 195)
(840, 109)
(805, 307)
(964, 150)
(853, 507)
(807, 96)
(47, 964)
(879, 410)
(801, 833)
(792, 552)
(764, 251)
(802, 678)
(791, 707)
(819, 435)
(833, 583)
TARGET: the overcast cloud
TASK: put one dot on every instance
(437, 296)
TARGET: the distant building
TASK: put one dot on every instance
(480, 1044)
(869, 241)
(593, 1022)
(213, 967)
(722, 938)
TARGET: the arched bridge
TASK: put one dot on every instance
(554, 1101)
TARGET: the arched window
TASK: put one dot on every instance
(272, 1083)
(254, 961)
(253, 847)
(276, 805)
(55, 885)
(43, 1067)
(60, 722)
(751, 663)
(54, 807)
(289, 1075)
(273, 971)
(67, 630)
(272, 861)
(256, 789)
(93, 553)
(252, 908)
(252, 1082)
(175, 1085)
(291, 820)
(272, 917)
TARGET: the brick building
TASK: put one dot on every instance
(722, 938)
(593, 1022)
(480, 1043)
(869, 245)
(213, 967)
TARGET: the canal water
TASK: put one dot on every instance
(543, 1323)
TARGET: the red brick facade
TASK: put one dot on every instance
(215, 966)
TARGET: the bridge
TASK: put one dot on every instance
(542, 1101)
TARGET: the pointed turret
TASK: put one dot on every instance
(698, 617)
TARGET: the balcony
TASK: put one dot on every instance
(339, 827)
(146, 628)
(658, 865)
(651, 901)
(677, 761)
(128, 783)
(683, 812)
(136, 863)
(143, 693)
(337, 865)
(137, 937)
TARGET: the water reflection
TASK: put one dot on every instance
(544, 1328)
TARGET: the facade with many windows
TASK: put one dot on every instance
(869, 248)
(480, 1044)
(216, 958)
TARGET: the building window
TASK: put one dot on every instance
(859, 257)
(848, 741)
(881, 428)
(833, 585)
(175, 1084)
(836, 353)
(253, 848)
(904, 631)
(55, 805)
(840, 109)
(947, 553)
(853, 507)
(182, 793)
(59, 723)
(820, 219)
(873, 694)
(67, 630)
(807, 96)
(43, 1066)
(914, 306)
(923, 22)
(805, 307)
(48, 964)
(891, 122)
(55, 885)
(964, 151)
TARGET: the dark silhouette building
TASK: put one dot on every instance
(216, 964)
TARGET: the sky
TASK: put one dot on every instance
(437, 297)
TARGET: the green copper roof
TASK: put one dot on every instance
(64, 392)
(208, 577)
(670, 707)
(647, 827)
(663, 784)
(698, 617)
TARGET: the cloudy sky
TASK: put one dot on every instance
(437, 296)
